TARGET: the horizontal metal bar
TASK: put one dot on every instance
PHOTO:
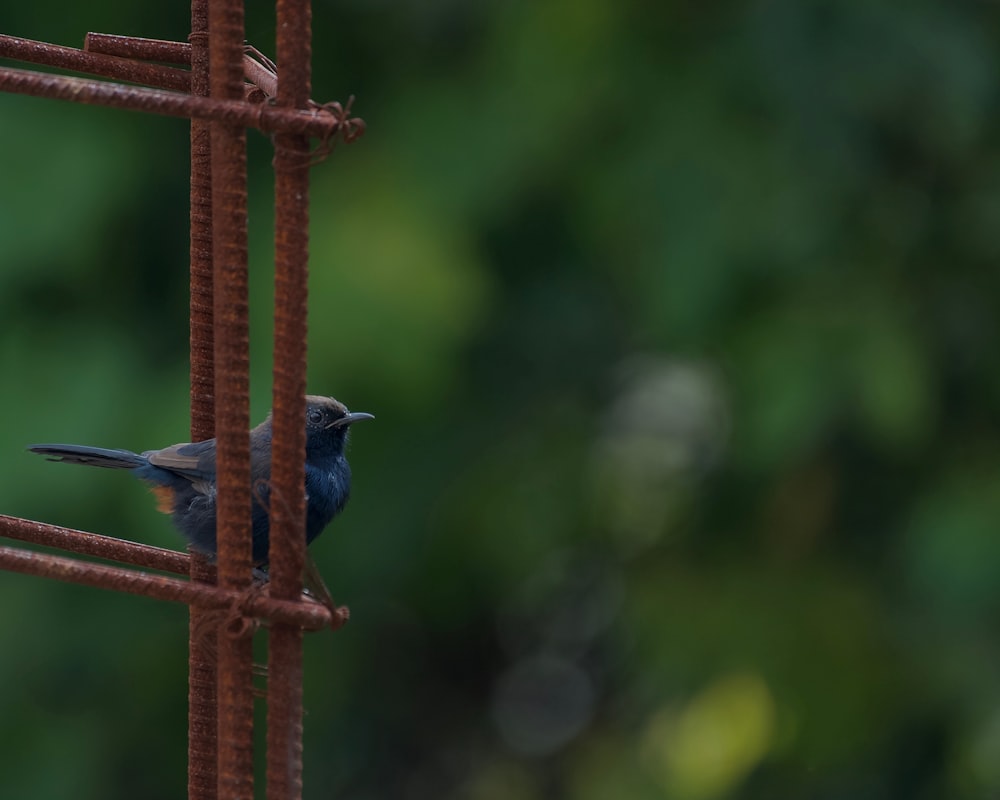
(175, 53)
(123, 69)
(93, 544)
(306, 614)
(317, 122)
(137, 47)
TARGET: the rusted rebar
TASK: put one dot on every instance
(93, 544)
(232, 398)
(308, 615)
(203, 676)
(288, 453)
(317, 121)
(203, 734)
(260, 76)
(176, 53)
(143, 49)
(123, 69)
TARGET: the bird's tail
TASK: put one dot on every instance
(92, 456)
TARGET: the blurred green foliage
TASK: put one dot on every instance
(680, 324)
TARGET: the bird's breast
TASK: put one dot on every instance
(327, 490)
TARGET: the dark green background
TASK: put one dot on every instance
(680, 323)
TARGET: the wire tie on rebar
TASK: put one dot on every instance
(339, 617)
(238, 622)
(348, 128)
(204, 629)
(295, 158)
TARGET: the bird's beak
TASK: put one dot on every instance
(350, 419)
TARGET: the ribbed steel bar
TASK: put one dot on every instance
(203, 714)
(288, 542)
(174, 52)
(232, 403)
(201, 300)
(123, 69)
(143, 49)
(316, 121)
(203, 676)
(309, 615)
(93, 544)
(260, 76)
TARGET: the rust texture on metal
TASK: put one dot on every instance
(202, 340)
(123, 69)
(202, 695)
(228, 88)
(111, 44)
(232, 392)
(322, 122)
(307, 614)
(288, 508)
(93, 544)
(262, 75)
(203, 675)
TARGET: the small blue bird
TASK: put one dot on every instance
(183, 476)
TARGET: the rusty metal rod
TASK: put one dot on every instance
(232, 398)
(203, 645)
(93, 544)
(316, 122)
(202, 692)
(288, 452)
(175, 53)
(137, 47)
(260, 76)
(70, 58)
(307, 614)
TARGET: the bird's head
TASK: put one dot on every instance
(327, 423)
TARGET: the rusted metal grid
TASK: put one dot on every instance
(227, 89)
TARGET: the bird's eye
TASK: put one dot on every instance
(315, 416)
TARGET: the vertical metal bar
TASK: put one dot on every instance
(202, 696)
(202, 340)
(202, 644)
(288, 515)
(232, 417)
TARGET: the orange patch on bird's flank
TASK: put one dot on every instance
(164, 498)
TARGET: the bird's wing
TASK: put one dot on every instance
(195, 461)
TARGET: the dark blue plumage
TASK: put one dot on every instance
(183, 476)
